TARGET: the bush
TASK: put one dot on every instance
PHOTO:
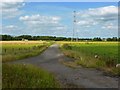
(66, 46)
(110, 63)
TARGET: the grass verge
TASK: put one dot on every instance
(26, 76)
(17, 51)
(84, 55)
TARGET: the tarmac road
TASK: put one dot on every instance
(70, 77)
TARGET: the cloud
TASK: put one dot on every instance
(12, 29)
(94, 16)
(44, 25)
(97, 22)
(110, 26)
(91, 22)
(103, 12)
(86, 23)
(11, 9)
(39, 19)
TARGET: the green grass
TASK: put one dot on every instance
(26, 76)
(19, 51)
(84, 53)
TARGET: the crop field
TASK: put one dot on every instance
(15, 50)
(101, 55)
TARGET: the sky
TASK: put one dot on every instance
(93, 19)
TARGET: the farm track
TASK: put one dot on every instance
(70, 77)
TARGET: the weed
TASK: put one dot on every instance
(93, 55)
(26, 76)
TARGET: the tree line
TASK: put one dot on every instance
(53, 38)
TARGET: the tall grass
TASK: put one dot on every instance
(27, 76)
(15, 51)
(85, 55)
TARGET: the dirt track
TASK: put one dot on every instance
(69, 77)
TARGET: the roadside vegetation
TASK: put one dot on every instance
(53, 38)
(100, 55)
(16, 50)
(26, 76)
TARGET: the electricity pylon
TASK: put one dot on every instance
(74, 25)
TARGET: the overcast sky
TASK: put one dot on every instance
(56, 19)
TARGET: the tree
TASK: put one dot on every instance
(97, 39)
(7, 37)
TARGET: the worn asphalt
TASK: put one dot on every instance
(70, 77)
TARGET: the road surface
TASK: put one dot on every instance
(70, 77)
